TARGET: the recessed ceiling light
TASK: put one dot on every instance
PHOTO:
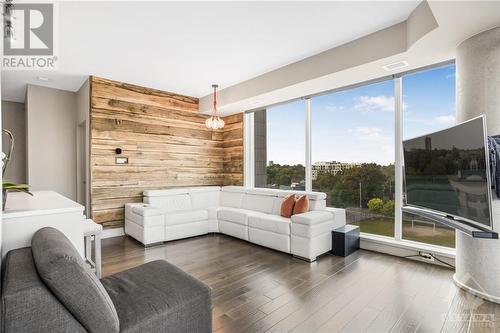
(395, 65)
(43, 78)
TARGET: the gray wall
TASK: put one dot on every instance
(260, 137)
(14, 119)
(51, 150)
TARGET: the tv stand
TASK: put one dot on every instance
(452, 222)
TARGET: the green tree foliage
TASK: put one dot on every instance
(343, 188)
(375, 205)
(285, 174)
(347, 191)
(388, 208)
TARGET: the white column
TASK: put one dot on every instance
(478, 92)
(398, 158)
(248, 150)
(308, 145)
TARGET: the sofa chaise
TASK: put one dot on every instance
(249, 214)
(48, 288)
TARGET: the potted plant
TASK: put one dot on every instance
(8, 186)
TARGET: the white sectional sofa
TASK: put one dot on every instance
(249, 214)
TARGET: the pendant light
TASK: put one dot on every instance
(215, 122)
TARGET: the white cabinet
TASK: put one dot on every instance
(25, 214)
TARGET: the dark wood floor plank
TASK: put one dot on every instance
(255, 289)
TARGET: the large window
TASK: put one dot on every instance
(352, 148)
(280, 146)
(429, 105)
(353, 154)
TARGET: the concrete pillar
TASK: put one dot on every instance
(260, 144)
(478, 92)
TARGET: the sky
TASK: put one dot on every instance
(357, 125)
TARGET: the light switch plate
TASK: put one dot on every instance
(121, 160)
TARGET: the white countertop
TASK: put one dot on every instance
(41, 203)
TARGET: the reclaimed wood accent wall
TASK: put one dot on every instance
(166, 143)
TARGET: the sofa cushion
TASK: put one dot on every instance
(231, 199)
(159, 297)
(186, 216)
(236, 215)
(170, 203)
(258, 202)
(65, 273)
(213, 212)
(287, 204)
(301, 205)
(273, 223)
(204, 196)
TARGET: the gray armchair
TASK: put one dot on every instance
(49, 288)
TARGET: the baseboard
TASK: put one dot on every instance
(115, 232)
(407, 249)
(476, 292)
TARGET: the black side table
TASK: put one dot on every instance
(345, 240)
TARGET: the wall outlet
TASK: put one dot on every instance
(426, 255)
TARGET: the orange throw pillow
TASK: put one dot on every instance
(287, 206)
(301, 205)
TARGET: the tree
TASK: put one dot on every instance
(347, 190)
(388, 208)
(375, 205)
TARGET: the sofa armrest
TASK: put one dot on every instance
(142, 209)
(313, 217)
(338, 216)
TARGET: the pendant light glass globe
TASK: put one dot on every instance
(214, 122)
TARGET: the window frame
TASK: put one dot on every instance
(397, 241)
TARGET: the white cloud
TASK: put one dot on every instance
(367, 133)
(445, 120)
(334, 108)
(376, 103)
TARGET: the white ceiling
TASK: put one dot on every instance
(185, 47)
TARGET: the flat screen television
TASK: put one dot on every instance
(447, 173)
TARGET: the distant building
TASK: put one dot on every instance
(332, 167)
(428, 143)
(271, 163)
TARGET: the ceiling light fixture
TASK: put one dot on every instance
(214, 122)
(395, 65)
(43, 78)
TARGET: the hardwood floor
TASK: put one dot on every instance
(260, 290)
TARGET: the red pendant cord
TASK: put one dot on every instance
(215, 101)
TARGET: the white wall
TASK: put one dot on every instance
(14, 119)
(51, 149)
(83, 123)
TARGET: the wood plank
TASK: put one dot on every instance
(166, 143)
(365, 292)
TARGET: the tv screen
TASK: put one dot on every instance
(448, 172)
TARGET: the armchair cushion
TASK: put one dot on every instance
(159, 297)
